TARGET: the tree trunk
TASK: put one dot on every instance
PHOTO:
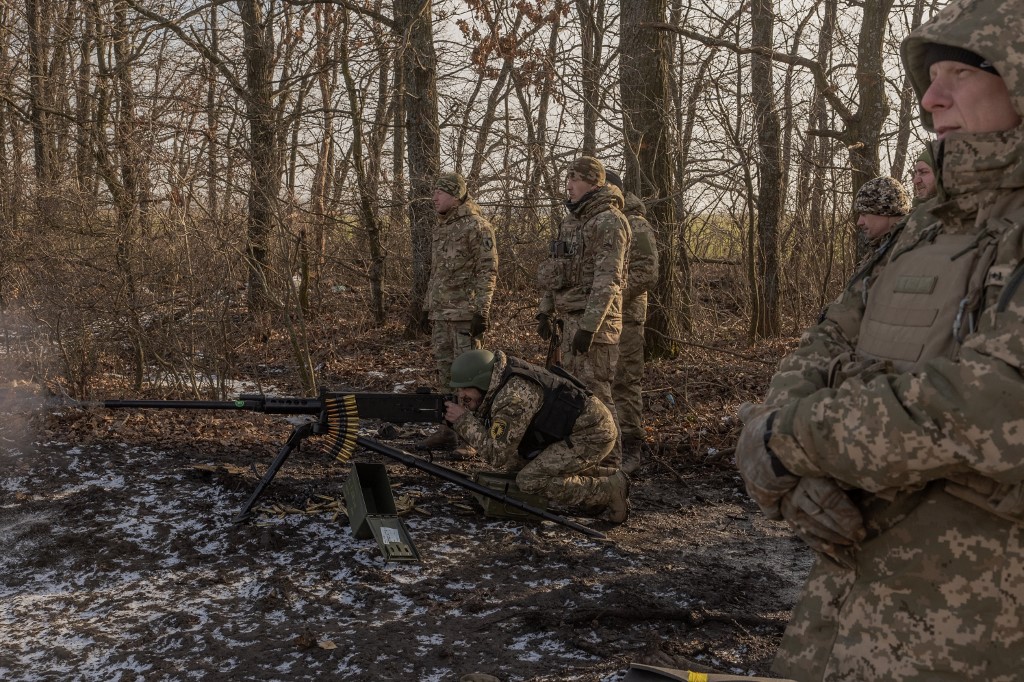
(39, 16)
(864, 137)
(419, 62)
(366, 184)
(764, 314)
(908, 108)
(646, 113)
(591, 14)
(264, 162)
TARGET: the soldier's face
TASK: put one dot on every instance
(576, 187)
(875, 226)
(924, 180)
(444, 202)
(470, 398)
(963, 99)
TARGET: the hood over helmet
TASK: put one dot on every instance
(993, 29)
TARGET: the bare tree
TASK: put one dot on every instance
(591, 14)
(908, 101)
(419, 64)
(647, 120)
(764, 259)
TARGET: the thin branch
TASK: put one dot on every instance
(814, 67)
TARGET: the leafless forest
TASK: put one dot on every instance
(196, 194)
(179, 179)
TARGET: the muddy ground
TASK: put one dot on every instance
(120, 561)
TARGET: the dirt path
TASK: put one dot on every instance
(120, 563)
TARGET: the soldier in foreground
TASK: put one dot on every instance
(463, 272)
(582, 281)
(642, 275)
(550, 430)
(880, 204)
(892, 439)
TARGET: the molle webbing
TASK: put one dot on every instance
(564, 402)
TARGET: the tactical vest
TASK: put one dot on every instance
(565, 398)
(926, 299)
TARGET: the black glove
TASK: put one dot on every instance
(582, 341)
(478, 325)
(544, 327)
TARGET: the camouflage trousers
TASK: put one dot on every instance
(556, 473)
(937, 594)
(596, 369)
(629, 372)
(449, 339)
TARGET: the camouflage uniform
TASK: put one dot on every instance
(498, 426)
(909, 394)
(463, 272)
(642, 276)
(584, 288)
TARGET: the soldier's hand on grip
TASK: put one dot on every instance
(767, 480)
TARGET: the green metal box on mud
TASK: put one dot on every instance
(372, 512)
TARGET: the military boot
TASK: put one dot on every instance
(443, 438)
(633, 451)
(616, 491)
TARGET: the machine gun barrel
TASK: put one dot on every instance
(398, 408)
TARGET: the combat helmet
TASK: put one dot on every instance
(473, 369)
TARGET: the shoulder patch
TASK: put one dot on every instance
(488, 244)
(498, 429)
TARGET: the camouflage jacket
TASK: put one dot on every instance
(588, 281)
(926, 434)
(643, 262)
(463, 265)
(498, 425)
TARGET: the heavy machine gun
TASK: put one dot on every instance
(336, 417)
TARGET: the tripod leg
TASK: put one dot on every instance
(298, 433)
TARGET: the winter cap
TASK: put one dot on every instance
(926, 156)
(936, 52)
(453, 184)
(882, 196)
(613, 177)
(588, 169)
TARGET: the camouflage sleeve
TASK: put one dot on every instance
(511, 412)
(806, 369)
(547, 303)
(643, 259)
(898, 430)
(609, 239)
(486, 268)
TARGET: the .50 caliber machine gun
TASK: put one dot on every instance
(337, 418)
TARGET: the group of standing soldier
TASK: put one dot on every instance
(551, 425)
(891, 440)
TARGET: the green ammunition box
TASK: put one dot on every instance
(505, 483)
(372, 512)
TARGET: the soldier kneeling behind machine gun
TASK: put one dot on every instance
(543, 425)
